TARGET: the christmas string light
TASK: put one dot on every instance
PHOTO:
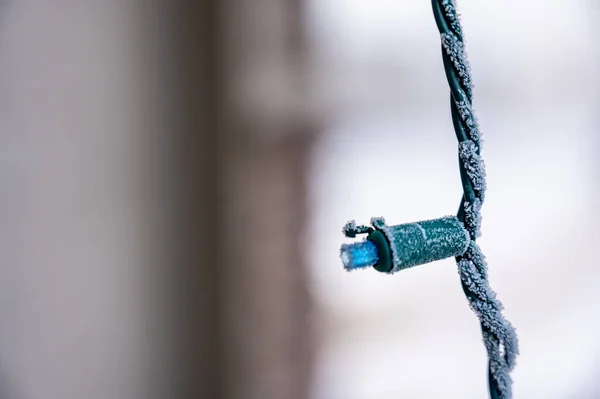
(389, 249)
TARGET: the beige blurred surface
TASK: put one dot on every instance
(152, 205)
(95, 256)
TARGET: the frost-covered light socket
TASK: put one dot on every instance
(389, 249)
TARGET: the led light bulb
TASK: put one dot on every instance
(359, 255)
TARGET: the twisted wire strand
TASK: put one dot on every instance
(499, 336)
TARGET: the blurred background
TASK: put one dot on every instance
(175, 177)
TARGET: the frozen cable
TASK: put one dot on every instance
(389, 249)
(498, 334)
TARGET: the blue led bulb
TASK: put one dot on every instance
(359, 255)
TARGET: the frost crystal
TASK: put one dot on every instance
(473, 217)
(498, 367)
(452, 16)
(499, 335)
(475, 255)
(473, 164)
(465, 111)
(350, 229)
(455, 50)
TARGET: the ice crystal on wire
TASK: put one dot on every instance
(487, 311)
(473, 217)
(475, 281)
(511, 346)
(475, 255)
(453, 16)
(498, 334)
(455, 50)
(498, 368)
(350, 229)
(465, 111)
(486, 306)
(473, 164)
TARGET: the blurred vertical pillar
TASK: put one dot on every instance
(266, 144)
(153, 159)
(108, 251)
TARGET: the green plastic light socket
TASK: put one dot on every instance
(406, 245)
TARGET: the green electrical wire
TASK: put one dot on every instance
(498, 334)
(389, 249)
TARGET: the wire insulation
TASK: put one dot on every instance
(499, 335)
